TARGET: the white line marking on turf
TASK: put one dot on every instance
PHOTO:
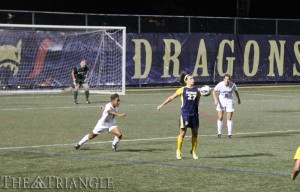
(268, 95)
(35, 108)
(128, 104)
(149, 139)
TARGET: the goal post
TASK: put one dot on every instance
(40, 58)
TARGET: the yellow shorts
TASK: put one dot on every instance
(297, 154)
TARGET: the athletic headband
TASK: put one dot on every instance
(185, 77)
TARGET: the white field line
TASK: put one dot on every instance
(35, 108)
(137, 140)
(58, 96)
(267, 95)
(126, 104)
(151, 92)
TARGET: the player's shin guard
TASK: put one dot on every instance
(75, 95)
(179, 143)
(219, 125)
(194, 144)
(87, 94)
(229, 127)
(84, 139)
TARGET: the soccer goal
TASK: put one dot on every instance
(40, 58)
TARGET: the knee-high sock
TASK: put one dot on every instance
(229, 126)
(87, 94)
(179, 143)
(75, 95)
(116, 140)
(219, 125)
(194, 143)
(84, 139)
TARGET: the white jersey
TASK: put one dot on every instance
(225, 91)
(106, 118)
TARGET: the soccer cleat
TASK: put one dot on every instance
(230, 136)
(77, 146)
(75, 102)
(114, 148)
(178, 155)
(194, 154)
(88, 102)
(219, 136)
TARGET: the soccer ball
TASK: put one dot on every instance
(205, 90)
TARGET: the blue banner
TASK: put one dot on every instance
(159, 58)
(152, 58)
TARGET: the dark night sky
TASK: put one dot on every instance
(219, 8)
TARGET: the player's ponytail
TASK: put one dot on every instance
(182, 79)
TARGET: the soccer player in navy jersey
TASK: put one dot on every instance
(189, 116)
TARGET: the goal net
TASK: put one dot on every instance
(40, 58)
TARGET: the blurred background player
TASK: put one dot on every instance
(189, 116)
(80, 77)
(107, 123)
(296, 169)
(224, 102)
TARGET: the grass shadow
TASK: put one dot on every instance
(240, 156)
(268, 135)
(141, 150)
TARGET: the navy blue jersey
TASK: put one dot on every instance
(189, 101)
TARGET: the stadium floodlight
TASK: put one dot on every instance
(40, 58)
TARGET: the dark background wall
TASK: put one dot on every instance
(217, 8)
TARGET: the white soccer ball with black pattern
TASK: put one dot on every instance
(205, 90)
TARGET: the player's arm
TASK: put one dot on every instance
(215, 96)
(296, 169)
(238, 96)
(73, 77)
(86, 75)
(111, 112)
(198, 97)
(169, 99)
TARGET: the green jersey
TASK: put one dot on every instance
(80, 73)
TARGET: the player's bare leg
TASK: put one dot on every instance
(220, 123)
(118, 136)
(85, 139)
(87, 92)
(296, 169)
(76, 93)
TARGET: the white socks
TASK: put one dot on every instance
(84, 139)
(229, 127)
(116, 140)
(219, 124)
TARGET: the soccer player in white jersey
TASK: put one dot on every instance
(106, 123)
(224, 102)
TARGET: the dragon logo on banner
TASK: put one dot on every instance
(10, 56)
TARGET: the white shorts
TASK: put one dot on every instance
(225, 104)
(106, 128)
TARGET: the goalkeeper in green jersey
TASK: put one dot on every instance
(80, 77)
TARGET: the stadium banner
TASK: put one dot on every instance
(159, 58)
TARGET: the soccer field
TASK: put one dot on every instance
(38, 133)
